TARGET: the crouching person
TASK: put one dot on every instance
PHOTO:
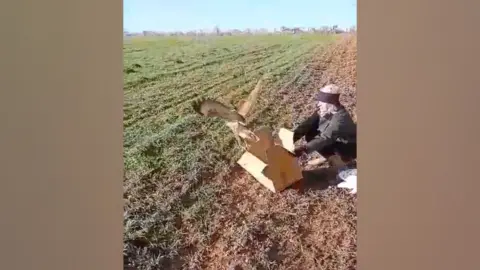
(330, 131)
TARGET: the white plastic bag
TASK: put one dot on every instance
(349, 180)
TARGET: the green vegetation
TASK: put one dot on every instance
(171, 155)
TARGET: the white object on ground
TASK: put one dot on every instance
(350, 182)
(349, 177)
(286, 139)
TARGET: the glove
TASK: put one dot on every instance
(299, 150)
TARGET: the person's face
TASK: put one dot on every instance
(322, 108)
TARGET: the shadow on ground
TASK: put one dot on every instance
(317, 179)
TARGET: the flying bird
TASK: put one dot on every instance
(234, 119)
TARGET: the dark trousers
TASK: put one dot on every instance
(309, 129)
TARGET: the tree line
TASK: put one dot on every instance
(216, 31)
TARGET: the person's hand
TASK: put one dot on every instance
(299, 150)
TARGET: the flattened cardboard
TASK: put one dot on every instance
(255, 167)
(286, 139)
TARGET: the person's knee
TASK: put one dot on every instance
(347, 152)
(310, 122)
(310, 136)
(352, 150)
(307, 128)
(327, 151)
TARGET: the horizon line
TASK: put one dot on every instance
(241, 29)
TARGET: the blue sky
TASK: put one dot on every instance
(184, 15)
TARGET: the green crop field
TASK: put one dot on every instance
(163, 76)
(173, 156)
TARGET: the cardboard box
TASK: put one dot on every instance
(271, 162)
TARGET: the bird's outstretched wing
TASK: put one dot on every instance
(212, 108)
(246, 105)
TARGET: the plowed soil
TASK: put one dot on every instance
(230, 221)
(313, 229)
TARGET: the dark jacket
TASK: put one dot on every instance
(334, 128)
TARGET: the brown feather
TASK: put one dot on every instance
(246, 105)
